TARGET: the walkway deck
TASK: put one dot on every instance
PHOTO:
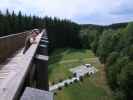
(12, 75)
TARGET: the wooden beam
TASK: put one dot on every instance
(42, 57)
(36, 94)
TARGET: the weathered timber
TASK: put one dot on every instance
(11, 85)
(36, 94)
(11, 43)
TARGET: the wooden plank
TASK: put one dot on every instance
(10, 86)
(44, 46)
(36, 94)
(42, 57)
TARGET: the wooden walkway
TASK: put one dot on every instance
(7, 69)
(13, 74)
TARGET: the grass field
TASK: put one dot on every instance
(92, 88)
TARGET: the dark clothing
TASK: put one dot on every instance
(27, 45)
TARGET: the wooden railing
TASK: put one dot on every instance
(13, 84)
(9, 44)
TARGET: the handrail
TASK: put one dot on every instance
(15, 34)
(11, 43)
(12, 87)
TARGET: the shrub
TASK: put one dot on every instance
(53, 83)
(81, 78)
(87, 74)
(55, 93)
(75, 75)
(60, 80)
(69, 77)
(75, 80)
(66, 84)
(59, 88)
(71, 82)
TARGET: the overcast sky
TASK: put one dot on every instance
(81, 11)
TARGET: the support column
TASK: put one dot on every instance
(42, 75)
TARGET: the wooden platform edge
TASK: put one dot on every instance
(13, 86)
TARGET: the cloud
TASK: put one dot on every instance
(81, 11)
(125, 8)
(26, 6)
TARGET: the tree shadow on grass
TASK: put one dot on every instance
(56, 56)
(72, 50)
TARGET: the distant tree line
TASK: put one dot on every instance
(61, 33)
(13, 23)
(112, 26)
(114, 47)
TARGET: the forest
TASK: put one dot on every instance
(11, 23)
(113, 44)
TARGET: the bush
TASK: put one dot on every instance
(66, 84)
(75, 80)
(81, 78)
(60, 80)
(75, 75)
(88, 74)
(59, 88)
(118, 95)
(69, 77)
(53, 83)
(71, 82)
(55, 93)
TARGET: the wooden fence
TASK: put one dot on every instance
(11, 43)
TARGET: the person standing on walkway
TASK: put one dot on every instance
(30, 40)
